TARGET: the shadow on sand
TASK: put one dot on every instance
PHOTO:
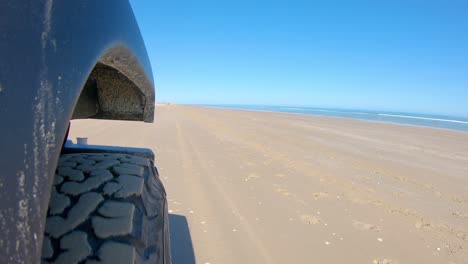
(181, 241)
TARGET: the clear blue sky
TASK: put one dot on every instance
(409, 56)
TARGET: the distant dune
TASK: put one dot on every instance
(259, 187)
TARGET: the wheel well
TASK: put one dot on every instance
(109, 94)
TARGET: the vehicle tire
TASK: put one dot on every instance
(106, 208)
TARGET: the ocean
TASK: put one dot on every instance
(435, 121)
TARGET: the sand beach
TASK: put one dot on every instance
(260, 187)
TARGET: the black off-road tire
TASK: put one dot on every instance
(106, 208)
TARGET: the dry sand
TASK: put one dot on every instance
(260, 187)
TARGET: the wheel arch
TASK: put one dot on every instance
(116, 88)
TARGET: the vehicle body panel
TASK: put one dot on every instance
(47, 51)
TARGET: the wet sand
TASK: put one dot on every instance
(258, 187)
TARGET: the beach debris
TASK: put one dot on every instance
(318, 213)
(327, 243)
(170, 211)
(460, 215)
(462, 235)
(283, 191)
(384, 261)
(191, 211)
(438, 249)
(341, 238)
(333, 234)
(202, 222)
(310, 219)
(379, 239)
(234, 230)
(320, 195)
(420, 224)
(366, 227)
(252, 176)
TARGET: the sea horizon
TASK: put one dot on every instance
(451, 122)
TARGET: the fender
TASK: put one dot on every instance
(49, 51)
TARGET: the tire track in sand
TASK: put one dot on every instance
(194, 191)
(218, 188)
